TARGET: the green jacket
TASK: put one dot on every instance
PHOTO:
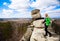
(47, 21)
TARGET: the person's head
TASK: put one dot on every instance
(46, 15)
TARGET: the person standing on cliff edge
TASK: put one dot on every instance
(47, 24)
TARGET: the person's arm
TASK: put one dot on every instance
(44, 21)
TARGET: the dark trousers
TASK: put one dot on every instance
(46, 31)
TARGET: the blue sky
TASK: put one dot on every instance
(23, 8)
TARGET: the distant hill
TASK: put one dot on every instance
(1, 19)
(19, 20)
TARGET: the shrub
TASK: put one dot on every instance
(5, 31)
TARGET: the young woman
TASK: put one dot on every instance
(47, 23)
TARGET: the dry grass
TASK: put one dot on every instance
(11, 32)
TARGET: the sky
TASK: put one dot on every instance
(23, 8)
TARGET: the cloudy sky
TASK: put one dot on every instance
(23, 8)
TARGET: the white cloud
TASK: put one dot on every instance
(6, 13)
(10, 14)
(21, 7)
(5, 4)
(19, 4)
(47, 6)
(54, 13)
(43, 3)
(22, 13)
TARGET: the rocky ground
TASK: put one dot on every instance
(27, 35)
(38, 35)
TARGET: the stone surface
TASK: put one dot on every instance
(27, 35)
(38, 35)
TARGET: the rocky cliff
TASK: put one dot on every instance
(12, 30)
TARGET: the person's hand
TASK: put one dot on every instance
(43, 22)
